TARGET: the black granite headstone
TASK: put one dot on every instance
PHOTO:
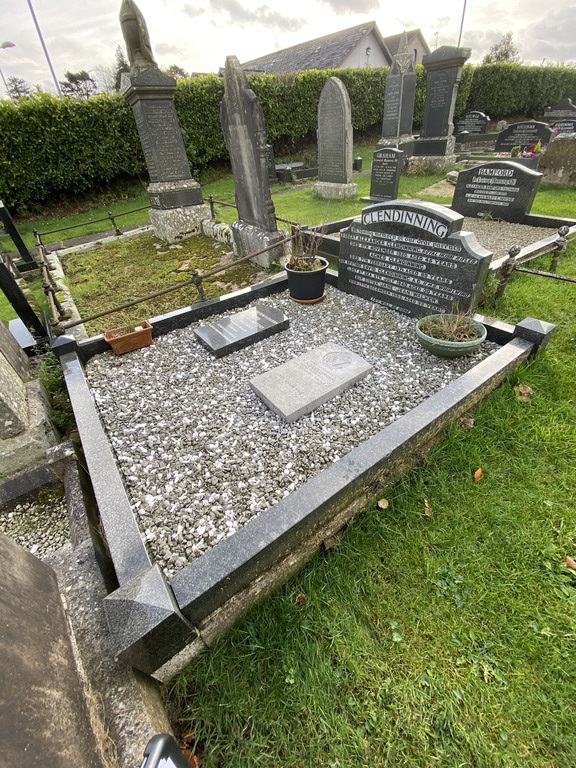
(523, 134)
(234, 332)
(564, 109)
(443, 72)
(334, 134)
(504, 189)
(400, 94)
(386, 171)
(472, 122)
(412, 257)
(566, 125)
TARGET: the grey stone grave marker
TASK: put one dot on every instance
(271, 164)
(399, 97)
(302, 384)
(13, 401)
(412, 257)
(558, 163)
(472, 122)
(502, 188)
(13, 352)
(564, 109)
(386, 170)
(244, 129)
(335, 143)
(176, 198)
(443, 72)
(523, 134)
(231, 333)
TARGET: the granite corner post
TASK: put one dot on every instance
(244, 130)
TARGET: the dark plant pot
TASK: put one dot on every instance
(447, 347)
(307, 287)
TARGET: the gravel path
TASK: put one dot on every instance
(201, 454)
(39, 524)
(500, 236)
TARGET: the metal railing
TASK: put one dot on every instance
(111, 217)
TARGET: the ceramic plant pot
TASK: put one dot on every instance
(307, 287)
(450, 347)
(129, 338)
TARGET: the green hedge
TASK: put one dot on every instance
(50, 147)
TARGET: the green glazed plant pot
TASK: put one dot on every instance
(449, 347)
(307, 287)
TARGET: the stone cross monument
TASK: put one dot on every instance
(177, 210)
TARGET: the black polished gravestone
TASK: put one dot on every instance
(412, 257)
(566, 125)
(563, 110)
(386, 170)
(399, 96)
(234, 332)
(443, 72)
(502, 188)
(523, 134)
(472, 122)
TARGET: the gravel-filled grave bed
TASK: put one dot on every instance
(201, 454)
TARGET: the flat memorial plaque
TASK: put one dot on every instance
(302, 384)
(229, 334)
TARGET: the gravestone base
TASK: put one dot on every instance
(329, 190)
(405, 143)
(440, 146)
(30, 446)
(173, 224)
(248, 239)
(174, 194)
(435, 162)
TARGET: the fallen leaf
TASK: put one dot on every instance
(466, 423)
(427, 508)
(570, 562)
(383, 503)
(300, 598)
(478, 475)
(523, 393)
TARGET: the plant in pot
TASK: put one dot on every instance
(129, 337)
(306, 270)
(450, 334)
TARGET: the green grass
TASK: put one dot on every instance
(446, 640)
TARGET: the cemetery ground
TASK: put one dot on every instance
(441, 630)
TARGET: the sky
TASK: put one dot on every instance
(197, 35)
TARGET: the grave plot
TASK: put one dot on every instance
(173, 422)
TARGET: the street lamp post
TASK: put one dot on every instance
(56, 83)
(6, 44)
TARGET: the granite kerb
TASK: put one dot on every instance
(209, 583)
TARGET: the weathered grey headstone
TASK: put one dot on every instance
(443, 73)
(386, 171)
(271, 164)
(234, 332)
(302, 384)
(13, 401)
(245, 133)
(412, 257)
(564, 109)
(504, 189)
(472, 122)
(176, 198)
(13, 352)
(565, 125)
(523, 134)
(558, 162)
(335, 143)
(399, 97)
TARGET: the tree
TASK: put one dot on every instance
(17, 88)
(120, 66)
(503, 51)
(78, 85)
(175, 71)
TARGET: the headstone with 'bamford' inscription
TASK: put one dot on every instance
(412, 257)
(504, 189)
(524, 134)
(386, 171)
(335, 143)
(297, 387)
(234, 332)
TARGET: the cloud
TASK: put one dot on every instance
(552, 37)
(188, 10)
(264, 15)
(341, 7)
(164, 49)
